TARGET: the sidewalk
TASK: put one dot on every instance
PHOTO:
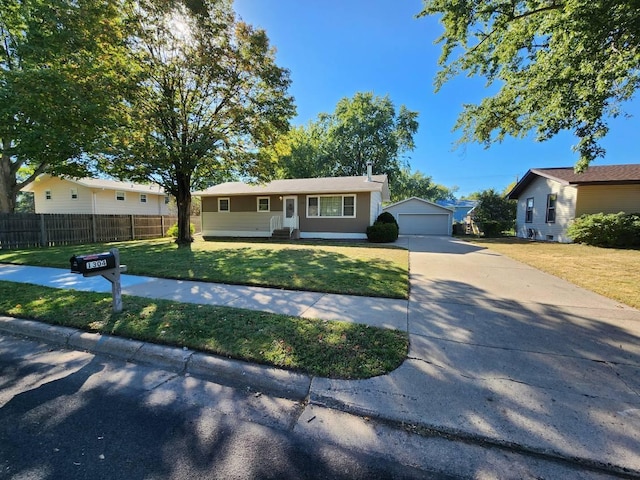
(379, 312)
(502, 357)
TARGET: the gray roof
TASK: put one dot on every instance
(595, 175)
(326, 185)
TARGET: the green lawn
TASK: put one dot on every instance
(328, 349)
(356, 269)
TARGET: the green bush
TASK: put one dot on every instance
(494, 228)
(173, 230)
(381, 232)
(386, 217)
(606, 229)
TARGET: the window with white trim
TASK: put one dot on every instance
(143, 198)
(223, 205)
(331, 206)
(528, 216)
(47, 194)
(264, 204)
(120, 195)
(551, 208)
(74, 194)
(166, 199)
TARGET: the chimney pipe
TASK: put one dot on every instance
(369, 171)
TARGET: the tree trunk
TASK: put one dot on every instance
(8, 185)
(183, 201)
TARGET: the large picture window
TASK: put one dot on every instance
(528, 218)
(331, 206)
(551, 207)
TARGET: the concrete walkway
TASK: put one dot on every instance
(501, 355)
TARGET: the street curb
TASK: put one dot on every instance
(234, 373)
(457, 435)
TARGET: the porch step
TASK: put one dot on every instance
(281, 234)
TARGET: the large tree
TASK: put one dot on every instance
(416, 184)
(361, 129)
(211, 96)
(63, 65)
(559, 65)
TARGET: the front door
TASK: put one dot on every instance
(290, 219)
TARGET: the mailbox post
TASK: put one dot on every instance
(107, 265)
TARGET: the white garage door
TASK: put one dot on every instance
(423, 224)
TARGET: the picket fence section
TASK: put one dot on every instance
(24, 230)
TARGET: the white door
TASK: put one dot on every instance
(290, 219)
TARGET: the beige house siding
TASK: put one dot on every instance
(236, 224)
(608, 199)
(565, 210)
(93, 201)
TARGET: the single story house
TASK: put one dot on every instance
(550, 198)
(416, 216)
(334, 207)
(96, 196)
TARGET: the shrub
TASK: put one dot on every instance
(173, 230)
(381, 232)
(386, 217)
(606, 229)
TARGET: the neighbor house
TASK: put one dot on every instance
(550, 198)
(96, 196)
(416, 216)
(335, 207)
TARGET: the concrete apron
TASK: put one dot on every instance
(503, 353)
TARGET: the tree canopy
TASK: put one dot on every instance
(559, 65)
(210, 96)
(494, 212)
(361, 129)
(416, 184)
(63, 68)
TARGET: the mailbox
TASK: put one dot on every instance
(95, 263)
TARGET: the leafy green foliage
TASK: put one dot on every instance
(172, 231)
(361, 129)
(606, 230)
(386, 217)
(559, 65)
(210, 95)
(407, 185)
(64, 66)
(494, 213)
(381, 232)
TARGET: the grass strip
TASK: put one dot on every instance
(323, 348)
(354, 269)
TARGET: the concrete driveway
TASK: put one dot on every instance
(505, 354)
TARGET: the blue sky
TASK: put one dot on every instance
(335, 48)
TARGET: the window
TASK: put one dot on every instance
(551, 208)
(47, 194)
(166, 199)
(143, 198)
(223, 204)
(74, 193)
(263, 204)
(331, 206)
(120, 196)
(528, 218)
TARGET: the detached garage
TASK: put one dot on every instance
(416, 216)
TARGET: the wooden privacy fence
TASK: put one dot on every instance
(24, 230)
